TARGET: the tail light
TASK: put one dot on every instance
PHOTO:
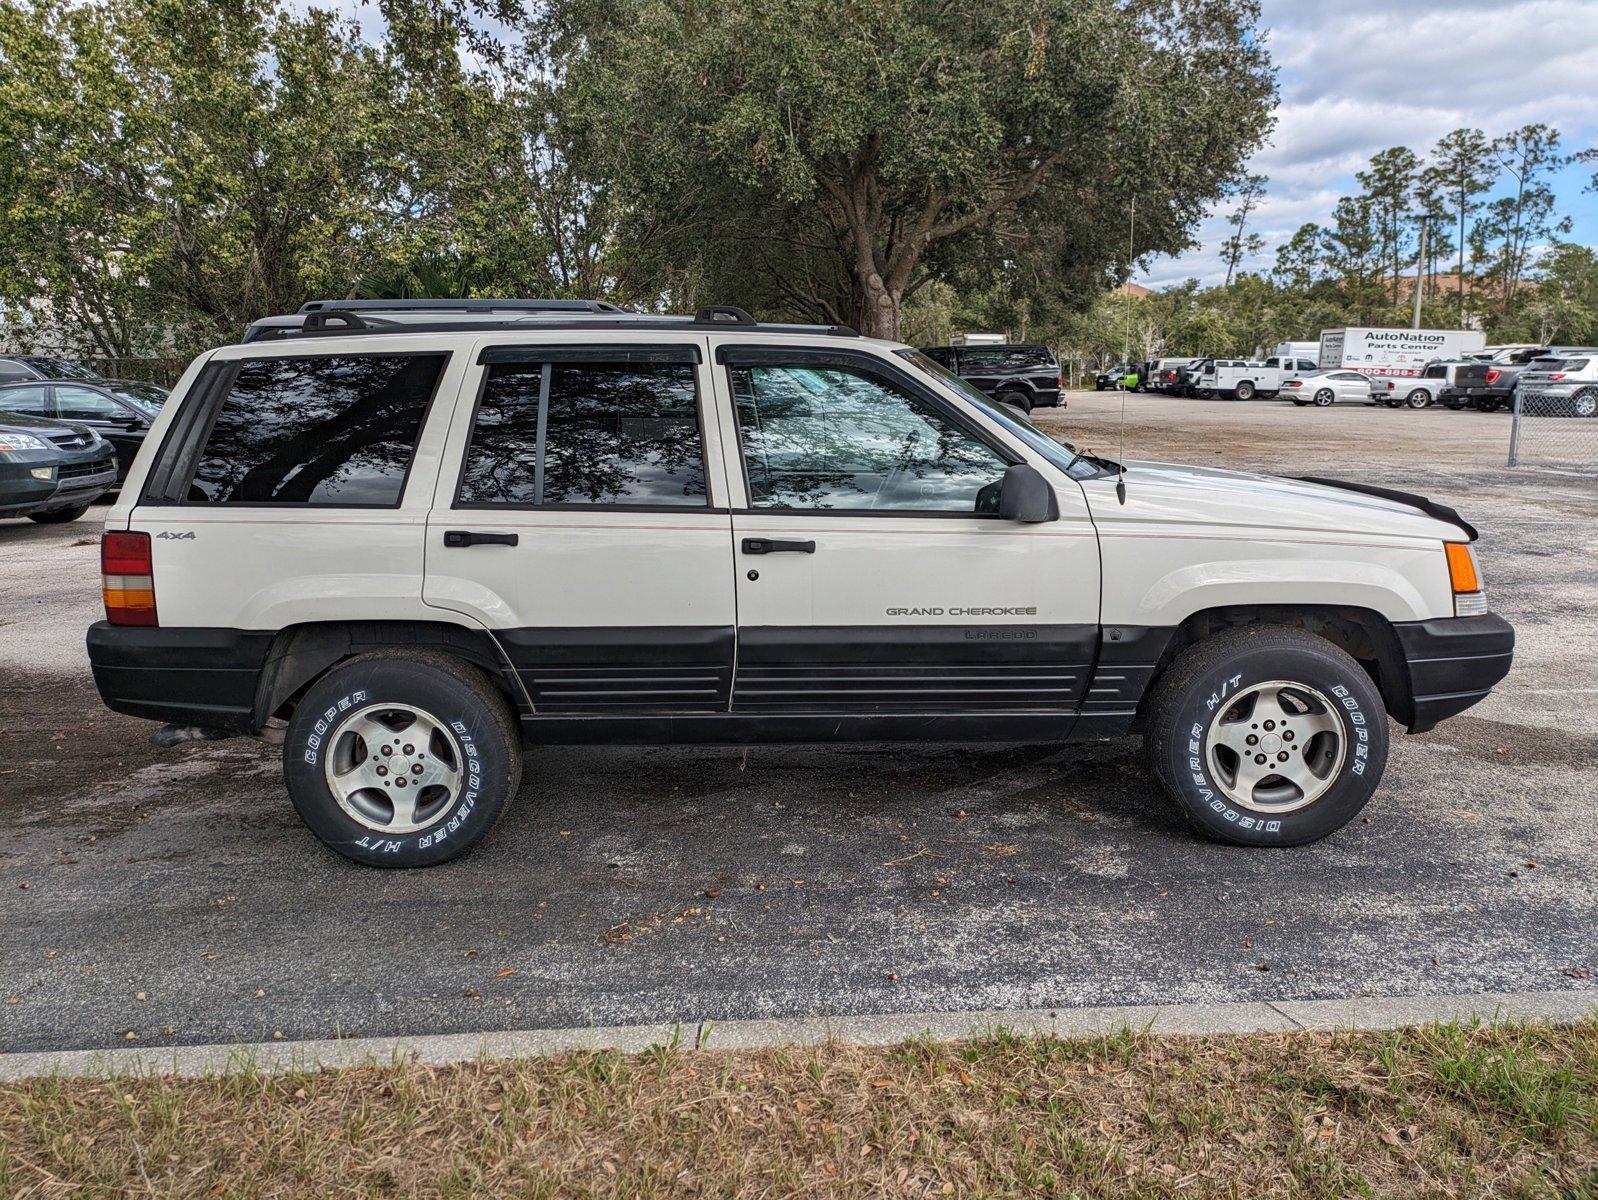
(1059, 381)
(1557, 375)
(127, 579)
(1492, 375)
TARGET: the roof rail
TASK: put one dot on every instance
(464, 304)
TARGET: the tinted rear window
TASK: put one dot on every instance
(336, 430)
(1005, 358)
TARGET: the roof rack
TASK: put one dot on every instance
(331, 318)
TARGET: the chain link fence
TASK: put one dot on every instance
(1555, 425)
(164, 371)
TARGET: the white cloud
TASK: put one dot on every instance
(1358, 76)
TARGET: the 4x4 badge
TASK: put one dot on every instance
(167, 535)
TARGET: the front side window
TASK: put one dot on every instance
(334, 430)
(822, 437)
(85, 404)
(587, 433)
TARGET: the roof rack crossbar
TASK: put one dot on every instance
(463, 304)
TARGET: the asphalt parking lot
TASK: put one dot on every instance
(170, 897)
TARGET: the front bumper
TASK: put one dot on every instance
(75, 479)
(1452, 663)
(205, 677)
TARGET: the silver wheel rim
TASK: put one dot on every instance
(1586, 404)
(1324, 398)
(394, 768)
(1275, 747)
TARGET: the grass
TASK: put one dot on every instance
(1443, 1110)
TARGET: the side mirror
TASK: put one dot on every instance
(1025, 495)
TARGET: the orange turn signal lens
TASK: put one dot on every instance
(1462, 567)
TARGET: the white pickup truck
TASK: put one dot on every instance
(1244, 380)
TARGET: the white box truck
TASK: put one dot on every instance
(1384, 352)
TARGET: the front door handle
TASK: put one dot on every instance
(466, 537)
(774, 546)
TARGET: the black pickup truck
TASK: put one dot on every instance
(1024, 375)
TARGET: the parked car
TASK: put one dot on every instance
(1165, 375)
(1560, 386)
(1325, 388)
(631, 528)
(1490, 385)
(41, 366)
(120, 411)
(51, 471)
(1111, 377)
(1024, 375)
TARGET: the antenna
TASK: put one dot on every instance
(1131, 241)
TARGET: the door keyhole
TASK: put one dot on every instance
(752, 576)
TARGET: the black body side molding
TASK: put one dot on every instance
(1430, 507)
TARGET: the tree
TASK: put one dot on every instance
(184, 167)
(1389, 182)
(1240, 245)
(1461, 170)
(1524, 218)
(830, 160)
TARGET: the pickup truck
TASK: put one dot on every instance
(1490, 385)
(1421, 390)
(1244, 380)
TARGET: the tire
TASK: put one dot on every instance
(1203, 393)
(1300, 403)
(1584, 403)
(1419, 398)
(1208, 696)
(1325, 398)
(1020, 400)
(59, 516)
(472, 724)
(1245, 390)
(1487, 406)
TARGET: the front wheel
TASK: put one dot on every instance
(1267, 736)
(1585, 403)
(59, 516)
(402, 760)
(1324, 398)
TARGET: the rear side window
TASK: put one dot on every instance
(337, 430)
(30, 400)
(1437, 372)
(1005, 358)
(587, 433)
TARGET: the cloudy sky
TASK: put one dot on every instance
(1358, 76)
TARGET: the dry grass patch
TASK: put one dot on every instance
(1436, 1111)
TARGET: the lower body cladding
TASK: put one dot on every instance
(817, 684)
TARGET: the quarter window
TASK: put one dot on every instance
(831, 438)
(587, 433)
(335, 430)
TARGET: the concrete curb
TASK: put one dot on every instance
(1279, 1016)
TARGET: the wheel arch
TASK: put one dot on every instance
(301, 654)
(1364, 634)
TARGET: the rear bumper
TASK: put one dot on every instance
(1453, 662)
(205, 677)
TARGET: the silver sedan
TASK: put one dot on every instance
(1325, 388)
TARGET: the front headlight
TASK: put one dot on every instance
(10, 443)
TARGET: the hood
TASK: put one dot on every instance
(28, 423)
(1170, 494)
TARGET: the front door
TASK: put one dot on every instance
(584, 528)
(874, 574)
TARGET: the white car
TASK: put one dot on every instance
(405, 538)
(1325, 388)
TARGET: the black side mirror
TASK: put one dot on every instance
(1025, 495)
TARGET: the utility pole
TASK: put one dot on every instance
(1426, 219)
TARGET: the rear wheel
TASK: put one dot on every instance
(1245, 390)
(1419, 398)
(402, 760)
(59, 516)
(1585, 403)
(1267, 736)
(1014, 399)
(1300, 403)
(1325, 397)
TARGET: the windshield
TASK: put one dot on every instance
(60, 368)
(147, 397)
(1062, 454)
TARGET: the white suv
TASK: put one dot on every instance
(406, 538)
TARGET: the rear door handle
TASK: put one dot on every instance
(774, 546)
(467, 537)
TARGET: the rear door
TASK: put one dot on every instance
(874, 575)
(582, 522)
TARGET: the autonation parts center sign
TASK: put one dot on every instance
(1395, 351)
